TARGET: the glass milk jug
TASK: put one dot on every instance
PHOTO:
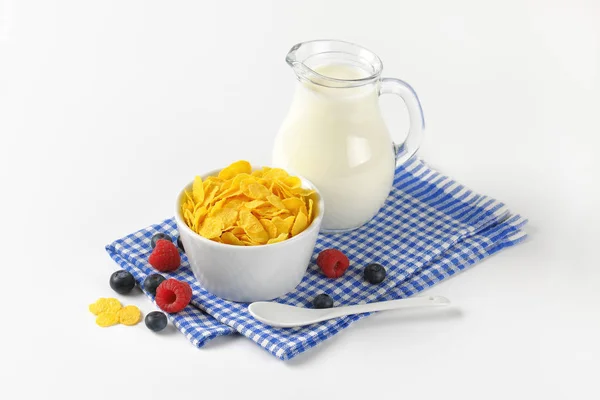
(334, 134)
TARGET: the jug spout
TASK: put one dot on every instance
(312, 62)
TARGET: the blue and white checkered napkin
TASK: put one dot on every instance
(429, 229)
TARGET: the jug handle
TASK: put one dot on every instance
(409, 147)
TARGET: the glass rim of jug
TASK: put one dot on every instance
(304, 57)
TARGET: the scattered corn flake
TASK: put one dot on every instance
(129, 315)
(105, 305)
(110, 312)
(107, 318)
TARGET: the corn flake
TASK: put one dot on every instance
(230, 238)
(269, 227)
(300, 223)
(129, 315)
(238, 167)
(253, 204)
(234, 203)
(208, 199)
(198, 190)
(227, 215)
(257, 191)
(105, 305)
(292, 182)
(107, 318)
(278, 239)
(295, 205)
(212, 227)
(276, 201)
(283, 225)
(275, 174)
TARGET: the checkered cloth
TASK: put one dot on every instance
(429, 229)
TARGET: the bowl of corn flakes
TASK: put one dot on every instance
(249, 232)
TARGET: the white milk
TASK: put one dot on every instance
(337, 139)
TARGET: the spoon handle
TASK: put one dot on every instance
(422, 301)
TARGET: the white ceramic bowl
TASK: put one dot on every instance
(249, 273)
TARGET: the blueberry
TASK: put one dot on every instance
(322, 301)
(159, 236)
(374, 273)
(156, 321)
(180, 243)
(151, 283)
(122, 282)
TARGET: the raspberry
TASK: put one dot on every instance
(333, 263)
(165, 256)
(172, 295)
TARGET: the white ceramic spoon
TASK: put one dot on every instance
(284, 316)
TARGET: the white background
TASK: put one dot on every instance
(108, 107)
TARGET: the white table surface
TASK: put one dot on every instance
(108, 108)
